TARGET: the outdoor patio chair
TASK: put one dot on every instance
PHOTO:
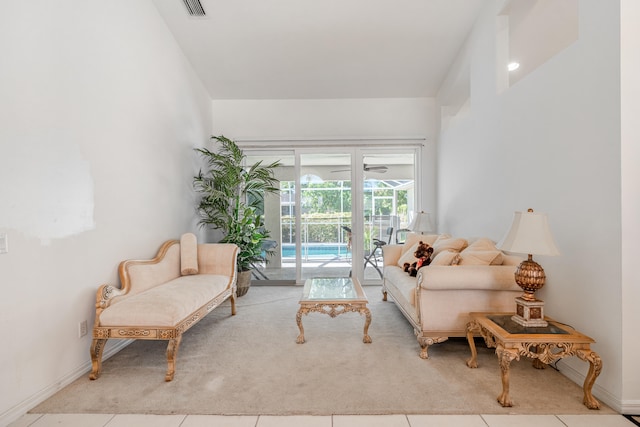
(376, 254)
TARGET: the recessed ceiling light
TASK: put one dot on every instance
(513, 66)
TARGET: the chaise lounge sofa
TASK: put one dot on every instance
(463, 277)
(163, 297)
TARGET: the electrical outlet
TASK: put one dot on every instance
(82, 329)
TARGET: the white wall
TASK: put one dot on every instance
(99, 114)
(630, 90)
(313, 118)
(333, 118)
(551, 142)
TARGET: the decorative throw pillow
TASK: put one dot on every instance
(482, 244)
(408, 256)
(449, 243)
(188, 254)
(445, 257)
(413, 238)
(472, 257)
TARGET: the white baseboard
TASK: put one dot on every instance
(631, 407)
(603, 395)
(34, 400)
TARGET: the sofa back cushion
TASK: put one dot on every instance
(142, 275)
(446, 257)
(412, 240)
(446, 242)
(477, 257)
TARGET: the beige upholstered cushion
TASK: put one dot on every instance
(176, 299)
(407, 256)
(448, 243)
(413, 238)
(445, 257)
(188, 254)
(472, 257)
(482, 244)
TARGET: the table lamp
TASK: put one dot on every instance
(421, 223)
(529, 234)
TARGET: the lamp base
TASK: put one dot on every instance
(529, 314)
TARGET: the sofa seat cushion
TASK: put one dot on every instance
(405, 284)
(167, 304)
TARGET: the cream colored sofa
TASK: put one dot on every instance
(161, 298)
(462, 277)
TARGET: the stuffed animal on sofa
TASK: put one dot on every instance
(423, 254)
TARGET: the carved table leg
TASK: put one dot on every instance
(537, 363)
(367, 322)
(471, 328)
(172, 353)
(505, 356)
(97, 347)
(595, 366)
(300, 339)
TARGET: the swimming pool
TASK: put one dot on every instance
(316, 250)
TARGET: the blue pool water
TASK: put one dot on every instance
(316, 250)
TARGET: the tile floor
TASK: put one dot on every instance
(134, 420)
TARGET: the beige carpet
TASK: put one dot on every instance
(250, 364)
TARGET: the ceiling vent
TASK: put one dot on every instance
(194, 7)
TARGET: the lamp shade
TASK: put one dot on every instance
(529, 234)
(421, 223)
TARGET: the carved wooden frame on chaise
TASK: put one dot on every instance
(162, 298)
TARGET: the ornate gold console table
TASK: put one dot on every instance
(543, 344)
(333, 296)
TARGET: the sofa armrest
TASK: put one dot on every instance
(217, 258)
(494, 277)
(139, 275)
(104, 297)
(391, 254)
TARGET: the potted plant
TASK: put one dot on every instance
(232, 195)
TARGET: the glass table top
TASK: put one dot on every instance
(506, 323)
(329, 288)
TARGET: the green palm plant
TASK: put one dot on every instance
(231, 197)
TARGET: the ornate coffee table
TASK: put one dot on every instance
(543, 344)
(333, 296)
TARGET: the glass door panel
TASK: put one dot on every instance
(387, 198)
(279, 218)
(325, 246)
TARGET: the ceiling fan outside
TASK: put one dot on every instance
(367, 168)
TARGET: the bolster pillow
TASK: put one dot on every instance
(188, 254)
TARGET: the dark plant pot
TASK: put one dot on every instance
(244, 282)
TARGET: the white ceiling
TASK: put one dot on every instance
(297, 49)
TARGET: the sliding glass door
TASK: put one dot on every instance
(337, 207)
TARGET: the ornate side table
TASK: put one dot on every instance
(543, 344)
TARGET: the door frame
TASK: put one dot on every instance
(356, 147)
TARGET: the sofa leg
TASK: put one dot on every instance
(97, 347)
(384, 295)
(232, 298)
(172, 353)
(425, 342)
(424, 352)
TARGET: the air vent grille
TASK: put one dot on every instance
(194, 7)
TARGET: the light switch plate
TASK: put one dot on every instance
(4, 243)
